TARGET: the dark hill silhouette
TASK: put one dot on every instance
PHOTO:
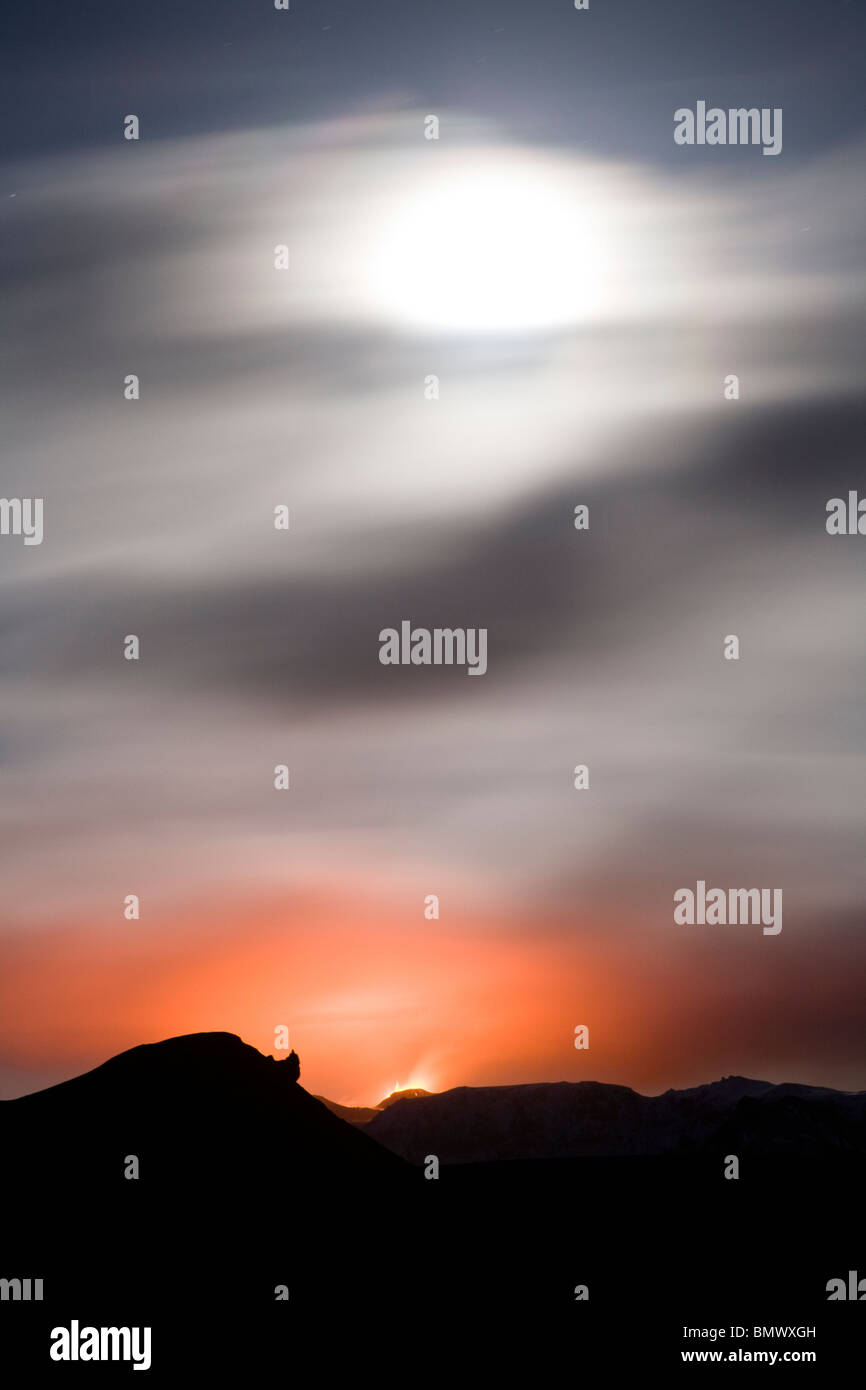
(414, 1093)
(361, 1114)
(352, 1114)
(589, 1119)
(204, 1107)
(248, 1183)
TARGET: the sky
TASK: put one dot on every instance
(581, 286)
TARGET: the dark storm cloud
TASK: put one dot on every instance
(697, 502)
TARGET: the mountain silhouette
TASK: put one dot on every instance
(412, 1094)
(184, 1184)
(590, 1119)
(204, 1107)
(259, 1227)
(361, 1114)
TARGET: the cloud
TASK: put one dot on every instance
(260, 647)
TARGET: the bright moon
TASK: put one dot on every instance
(491, 244)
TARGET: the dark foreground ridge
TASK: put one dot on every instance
(248, 1185)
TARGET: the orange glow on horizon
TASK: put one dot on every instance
(368, 994)
(364, 993)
